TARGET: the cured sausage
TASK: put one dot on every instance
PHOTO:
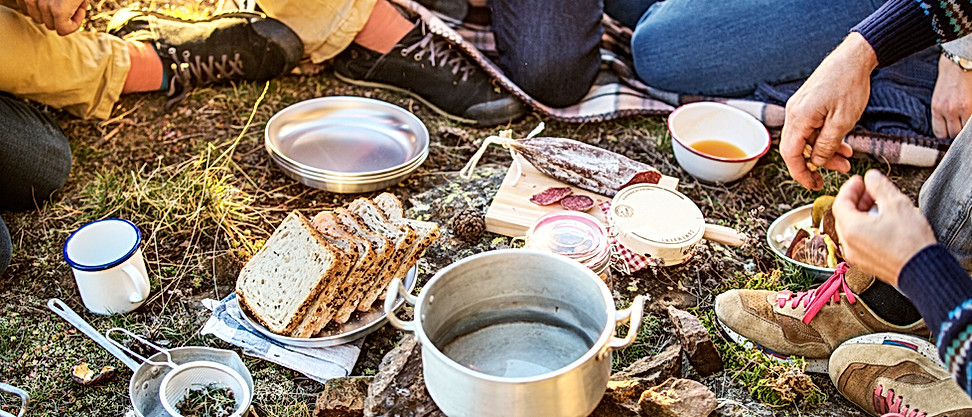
(577, 163)
(550, 195)
(577, 202)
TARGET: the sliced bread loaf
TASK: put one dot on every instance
(401, 234)
(384, 250)
(327, 222)
(427, 232)
(285, 277)
(327, 303)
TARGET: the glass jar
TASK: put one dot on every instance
(576, 235)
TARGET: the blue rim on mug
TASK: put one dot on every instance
(116, 262)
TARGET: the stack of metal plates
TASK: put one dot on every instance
(347, 144)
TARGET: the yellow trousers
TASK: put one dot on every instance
(83, 73)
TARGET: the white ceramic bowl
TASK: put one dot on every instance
(696, 122)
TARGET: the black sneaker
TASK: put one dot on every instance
(226, 47)
(428, 68)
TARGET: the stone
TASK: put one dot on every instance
(696, 343)
(398, 389)
(654, 369)
(678, 398)
(343, 397)
(621, 398)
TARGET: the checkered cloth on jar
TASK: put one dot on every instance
(632, 262)
(320, 364)
(617, 92)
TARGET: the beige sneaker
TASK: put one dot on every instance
(809, 324)
(895, 373)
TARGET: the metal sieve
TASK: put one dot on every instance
(202, 375)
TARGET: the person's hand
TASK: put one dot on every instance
(879, 244)
(63, 16)
(951, 100)
(825, 109)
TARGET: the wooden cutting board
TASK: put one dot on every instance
(511, 212)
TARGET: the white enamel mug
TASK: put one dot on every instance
(108, 265)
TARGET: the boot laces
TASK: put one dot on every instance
(885, 402)
(817, 298)
(190, 70)
(441, 54)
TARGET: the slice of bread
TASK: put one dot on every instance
(401, 234)
(327, 222)
(285, 277)
(384, 250)
(428, 232)
(327, 303)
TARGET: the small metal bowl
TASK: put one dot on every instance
(347, 144)
(781, 232)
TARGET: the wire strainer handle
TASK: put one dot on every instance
(168, 358)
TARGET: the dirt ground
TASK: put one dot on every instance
(203, 215)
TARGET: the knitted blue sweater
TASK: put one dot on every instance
(902, 27)
(942, 291)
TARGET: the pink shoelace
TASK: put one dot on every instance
(885, 402)
(815, 299)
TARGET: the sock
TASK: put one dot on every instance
(384, 28)
(146, 72)
(889, 304)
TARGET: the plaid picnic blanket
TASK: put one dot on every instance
(617, 92)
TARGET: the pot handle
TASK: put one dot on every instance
(631, 315)
(24, 399)
(724, 235)
(396, 289)
(66, 313)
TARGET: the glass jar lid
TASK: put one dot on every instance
(573, 234)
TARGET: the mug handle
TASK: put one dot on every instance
(138, 280)
(631, 315)
(395, 288)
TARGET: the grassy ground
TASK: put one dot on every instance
(206, 195)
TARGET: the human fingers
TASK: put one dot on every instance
(796, 131)
(838, 163)
(47, 13)
(831, 138)
(30, 8)
(70, 18)
(883, 190)
(848, 200)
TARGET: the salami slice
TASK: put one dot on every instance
(643, 177)
(550, 195)
(577, 202)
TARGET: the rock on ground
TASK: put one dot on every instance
(343, 397)
(696, 343)
(399, 387)
(678, 398)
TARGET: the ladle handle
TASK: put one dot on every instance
(24, 399)
(395, 288)
(631, 315)
(66, 313)
(724, 235)
(168, 362)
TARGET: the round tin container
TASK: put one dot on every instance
(657, 222)
(576, 235)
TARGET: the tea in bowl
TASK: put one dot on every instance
(715, 142)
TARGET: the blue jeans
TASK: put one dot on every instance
(35, 159)
(946, 198)
(550, 48)
(727, 48)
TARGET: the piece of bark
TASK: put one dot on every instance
(678, 398)
(399, 387)
(343, 397)
(696, 343)
(655, 369)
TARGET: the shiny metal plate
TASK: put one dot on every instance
(347, 136)
(358, 326)
(780, 233)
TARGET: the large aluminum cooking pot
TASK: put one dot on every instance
(516, 332)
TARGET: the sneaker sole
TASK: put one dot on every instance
(922, 346)
(124, 15)
(450, 116)
(819, 366)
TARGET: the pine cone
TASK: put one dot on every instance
(469, 225)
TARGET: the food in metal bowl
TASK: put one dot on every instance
(212, 400)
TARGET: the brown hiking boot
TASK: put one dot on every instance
(810, 324)
(894, 373)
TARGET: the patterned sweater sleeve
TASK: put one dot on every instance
(902, 27)
(942, 291)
